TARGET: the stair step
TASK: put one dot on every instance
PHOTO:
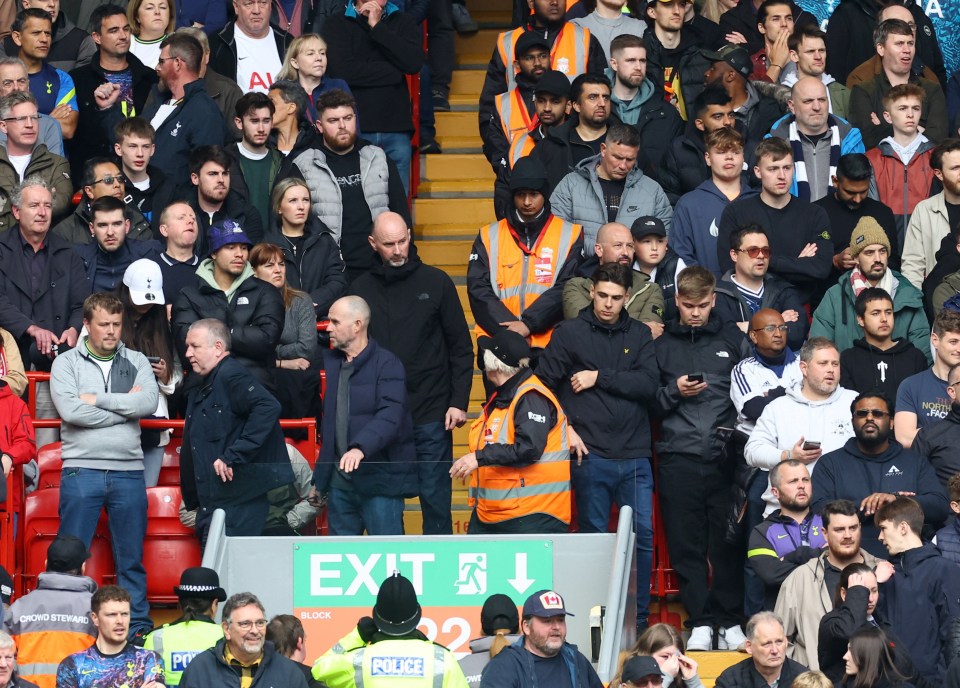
(499, 19)
(464, 102)
(457, 188)
(457, 166)
(446, 232)
(460, 144)
(445, 252)
(469, 213)
(467, 82)
(477, 48)
(457, 124)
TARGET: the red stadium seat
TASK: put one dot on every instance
(170, 468)
(50, 463)
(169, 548)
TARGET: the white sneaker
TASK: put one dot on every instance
(701, 639)
(732, 639)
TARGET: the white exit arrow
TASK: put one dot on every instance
(521, 583)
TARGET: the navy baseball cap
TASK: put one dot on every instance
(544, 604)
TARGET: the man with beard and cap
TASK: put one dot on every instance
(808, 592)
(939, 441)
(416, 314)
(836, 317)
(872, 468)
(615, 245)
(543, 657)
(809, 420)
(388, 649)
(878, 361)
(519, 265)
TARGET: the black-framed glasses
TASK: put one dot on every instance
(23, 119)
(109, 179)
(755, 251)
(770, 329)
(865, 413)
(161, 60)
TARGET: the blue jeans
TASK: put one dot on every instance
(434, 458)
(350, 513)
(397, 147)
(600, 482)
(83, 493)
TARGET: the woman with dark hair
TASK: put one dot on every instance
(146, 329)
(500, 624)
(869, 662)
(663, 642)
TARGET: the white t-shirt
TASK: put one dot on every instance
(20, 163)
(163, 112)
(249, 154)
(147, 51)
(257, 61)
(143, 186)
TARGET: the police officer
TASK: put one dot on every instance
(179, 642)
(395, 653)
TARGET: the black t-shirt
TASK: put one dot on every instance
(953, 215)
(177, 275)
(356, 223)
(594, 145)
(552, 671)
(612, 192)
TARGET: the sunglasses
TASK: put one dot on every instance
(865, 413)
(756, 251)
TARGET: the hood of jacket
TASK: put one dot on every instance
(205, 273)
(795, 394)
(391, 274)
(54, 580)
(781, 128)
(674, 327)
(588, 170)
(894, 450)
(904, 297)
(947, 253)
(886, 150)
(899, 346)
(710, 187)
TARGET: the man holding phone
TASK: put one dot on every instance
(809, 420)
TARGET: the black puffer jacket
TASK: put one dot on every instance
(235, 207)
(745, 675)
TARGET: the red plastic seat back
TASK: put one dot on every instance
(170, 547)
(51, 463)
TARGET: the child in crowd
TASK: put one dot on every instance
(658, 261)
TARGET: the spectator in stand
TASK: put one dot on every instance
(948, 537)
(53, 621)
(937, 441)
(52, 87)
(187, 120)
(292, 133)
(306, 63)
(656, 260)
(768, 662)
(70, 46)
(18, 443)
(817, 139)
(311, 254)
(351, 181)
(249, 50)
(808, 53)
(895, 44)
(693, 237)
(13, 78)
(367, 464)
(102, 454)
(861, 471)
(233, 463)
(878, 361)
(500, 623)
(743, 19)
(870, 660)
(228, 291)
(943, 282)
(286, 633)
(255, 165)
(146, 329)
(798, 232)
(581, 136)
(111, 253)
(433, 344)
(748, 288)
(922, 598)
(148, 188)
(902, 172)
(664, 644)
(375, 59)
(806, 595)
(696, 355)
(602, 367)
(150, 22)
(922, 398)
(296, 377)
(22, 156)
(626, 193)
(775, 24)
(112, 64)
(609, 20)
(933, 217)
(836, 319)
(178, 263)
(12, 372)
(224, 92)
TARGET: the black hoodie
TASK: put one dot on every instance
(939, 441)
(948, 262)
(865, 368)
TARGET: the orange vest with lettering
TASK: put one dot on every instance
(569, 53)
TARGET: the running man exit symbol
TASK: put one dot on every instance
(472, 578)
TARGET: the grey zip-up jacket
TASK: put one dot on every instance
(104, 436)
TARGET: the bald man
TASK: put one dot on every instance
(818, 139)
(417, 315)
(615, 245)
(367, 464)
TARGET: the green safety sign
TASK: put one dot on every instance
(339, 573)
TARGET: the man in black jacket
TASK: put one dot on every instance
(416, 314)
(696, 355)
(768, 664)
(939, 441)
(742, 19)
(254, 57)
(602, 367)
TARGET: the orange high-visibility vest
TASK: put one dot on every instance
(518, 276)
(514, 118)
(569, 53)
(521, 147)
(500, 493)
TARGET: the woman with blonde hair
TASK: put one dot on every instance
(306, 63)
(150, 22)
(663, 642)
(812, 679)
(500, 623)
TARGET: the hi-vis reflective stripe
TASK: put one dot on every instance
(514, 118)
(523, 491)
(521, 148)
(439, 666)
(562, 454)
(761, 552)
(572, 42)
(32, 672)
(563, 249)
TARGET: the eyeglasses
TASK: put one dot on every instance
(23, 119)
(876, 413)
(770, 329)
(110, 179)
(247, 625)
(756, 251)
(535, 57)
(8, 83)
(161, 60)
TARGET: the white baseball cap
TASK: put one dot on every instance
(145, 282)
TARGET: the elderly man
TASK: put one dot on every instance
(9, 676)
(367, 464)
(243, 657)
(768, 664)
(521, 439)
(249, 50)
(233, 450)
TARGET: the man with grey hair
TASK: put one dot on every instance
(244, 656)
(519, 439)
(13, 78)
(368, 462)
(9, 677)
(768, 664)
(233, 449)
